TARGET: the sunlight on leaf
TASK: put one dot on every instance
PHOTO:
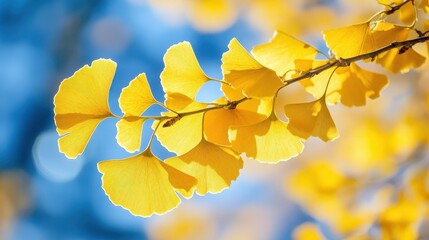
(182, 73)
(143, 184)
(365, 39)
(400, 63)
(280, 53)
(311, 119)
(269, 141)
(129, 133)
(214, 167)
(360, 84)
(317, 84)
(81, 103)
(183, 135)
(134, 100)
(137, 97)
(218, 122)
(245, 73)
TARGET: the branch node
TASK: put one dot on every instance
(343, 62)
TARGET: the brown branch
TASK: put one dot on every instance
(344, 62)
(397, 7)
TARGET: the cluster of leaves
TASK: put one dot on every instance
(382, 196)
(209, 139)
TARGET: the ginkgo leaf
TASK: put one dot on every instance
(269, 141)
(182, 72)
(179, 102)
(395, 62)
(217, 122)
(365, 38)
(351, 85)
(359, 84)
(249, 112)
(134, 100)
(311, 119)
(214, 167)
(280, 53)
(81, 103)
(137, 97)
(129, 131)
(406, 12)
(143, 184)
(183, 135)
(317, 84)
(243, 72)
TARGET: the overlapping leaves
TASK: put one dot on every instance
(209, 138)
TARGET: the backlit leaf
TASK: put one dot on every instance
(269, 141)
(184, 134)
(217, 122)
(395, 62)
(134, 100)
(137, 97)
(317, 84)
(214, 167)
(360, 84)
(351, 85)
(81, 103)
(311, 119)
(129, 131)
(182, 73)
(280, 53)
(365, 38)
(243, 72)
(143, 184)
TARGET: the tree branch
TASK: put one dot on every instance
(344, 62)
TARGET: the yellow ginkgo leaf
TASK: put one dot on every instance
(182, 135)
(359, 84)
(317, 84)
(137, 97)
(280, 53)
(311, 119)
(406, 12)
(350, 85)
(268, 141)
(217, 122)
(243, 72)
(365, 38)
(395, 62)
(182, 72)
(134, 100)
(214, 167)
(81, 103)
(179, 102)
(129, 132)
(143, 184)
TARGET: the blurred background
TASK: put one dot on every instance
(372, 180)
